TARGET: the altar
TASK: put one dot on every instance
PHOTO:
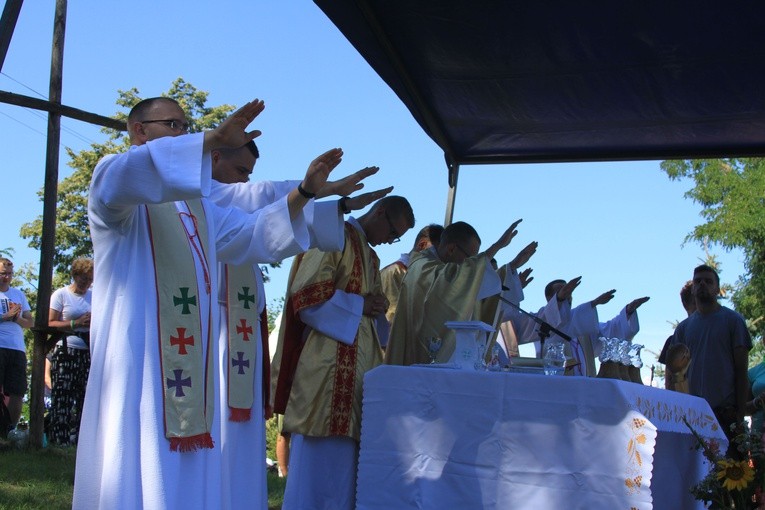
(443, 438)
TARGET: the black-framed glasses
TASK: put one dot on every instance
(175, 125)
(6, 274)
(393, 236)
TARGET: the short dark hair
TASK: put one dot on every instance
(434, 233)
(143, 106)
(397, 206)
(253, 148)
(703, 268)
(550, 288)
(459, 232)
(249, 145)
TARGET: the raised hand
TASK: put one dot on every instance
(603, 298)
(525, 277)
(318, 171)
(635, 304)
(503, 240)
(524, 255)
(361, 201)
(347, 185)
(232, 132)
(565, 292)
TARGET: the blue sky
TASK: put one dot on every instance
(619, 225)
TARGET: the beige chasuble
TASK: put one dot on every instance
(391, 278)
(317, 379)
(433, 293)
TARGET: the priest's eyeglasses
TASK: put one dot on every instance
(175, 125)
(393, 236)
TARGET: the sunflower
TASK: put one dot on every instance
(734, 475)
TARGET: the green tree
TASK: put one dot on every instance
(273, 310)
(72, 233)
(731, 193)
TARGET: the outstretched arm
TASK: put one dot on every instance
(348, 204)
(635, 304)
(503, 240)
(525, 277)
(524, 255)
(315, 178)
(347, 185)
(232, 132)
(565, 292)
(603, 298)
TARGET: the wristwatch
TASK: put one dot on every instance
(342, 203)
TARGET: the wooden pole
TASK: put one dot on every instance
(63, 110)
(48, 244)
(8, 26)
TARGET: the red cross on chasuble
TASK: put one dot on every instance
(177, 240)
(243, 322)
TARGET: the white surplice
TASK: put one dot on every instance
(526, 330)
(584, 326)
(123, 458)
(243, 444)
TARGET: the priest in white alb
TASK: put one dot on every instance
(244, 360)
(149, 436)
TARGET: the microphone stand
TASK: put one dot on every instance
(545, 328)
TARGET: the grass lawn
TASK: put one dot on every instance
(44, 479)
(36, 479)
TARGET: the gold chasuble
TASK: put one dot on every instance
(434, 292)
(391, 278)
(318, 380)
(177, 238)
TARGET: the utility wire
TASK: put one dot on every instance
(42, 115)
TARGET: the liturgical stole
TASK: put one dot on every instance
(186, 358)
(243, 323)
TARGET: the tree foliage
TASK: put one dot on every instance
(731, 193)
(72, 233)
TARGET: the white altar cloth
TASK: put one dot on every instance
(452, 439)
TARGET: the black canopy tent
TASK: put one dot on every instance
(506, 81)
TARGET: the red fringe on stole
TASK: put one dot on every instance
(192, 443)
(238, 414)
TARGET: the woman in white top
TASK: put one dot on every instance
(70, 312)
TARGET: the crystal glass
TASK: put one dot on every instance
(494, 364)
(554, 358)
(434, 346)
(624, 352)
(634, 355)
(610, 351)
